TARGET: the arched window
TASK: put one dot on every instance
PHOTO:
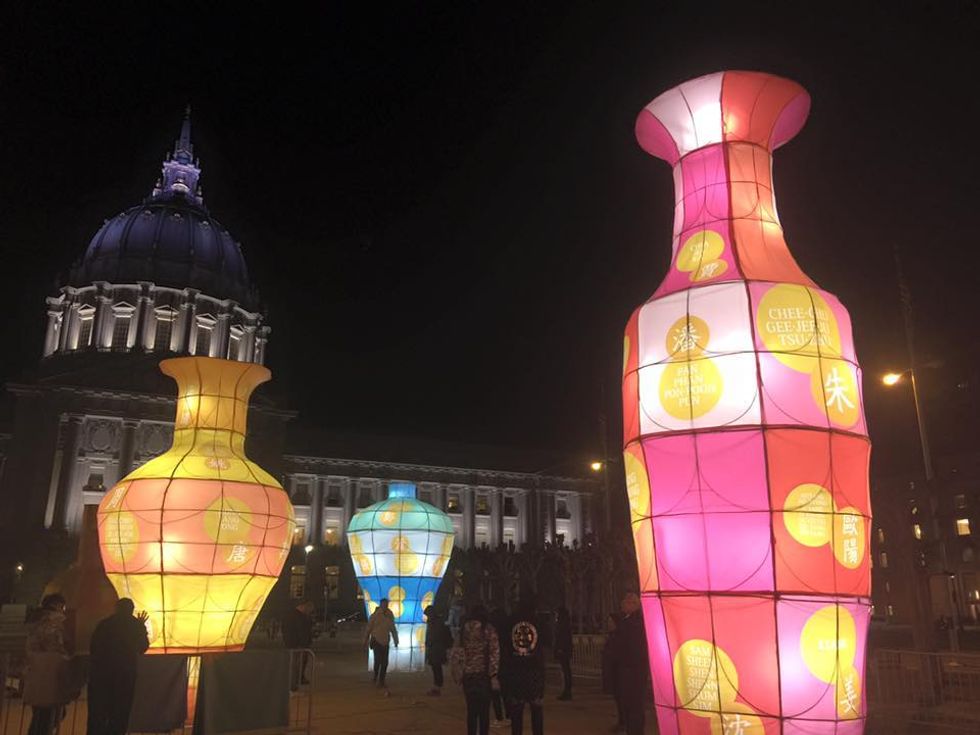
(203, 334)
(86, 318)
(164, 329)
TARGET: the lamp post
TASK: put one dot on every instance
(939, 532)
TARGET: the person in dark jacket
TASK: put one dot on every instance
(628, 658)
(476, 666)
(46, 643)
(524, 655)
(117, 643)
(499, 697)
(297, 633)
(438, 641)
(563, 650)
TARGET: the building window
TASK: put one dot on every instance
(452, 503)
(959, 501)
(235, 343)
(202, 337)
(297, 582)
(364, 497)
(962, 526)
(333, 497)
(510, 506)
(120, 330)
(165, 319)
(883, 560)
(482, 504)
(331, 537)
(881, 535)
(86, 318)
(917, 531)
(95, 483)
(561, 509)
(891, 611)
(968, 554)
(299, 536)
(331, 589)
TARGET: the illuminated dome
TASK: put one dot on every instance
(162, 277)
(171, 241)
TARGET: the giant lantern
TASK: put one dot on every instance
(400, 548)
(746, 451)
(197, 536)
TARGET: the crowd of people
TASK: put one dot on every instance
(498, 661)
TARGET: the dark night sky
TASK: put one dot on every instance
(444, 207)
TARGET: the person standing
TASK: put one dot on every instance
(563, 650)
(381, 631)
(524, 664)
(476, 665)
(114, 652)
(47, 661)
(629, 664)
(438, 641)
(499, 696)
(297, 634)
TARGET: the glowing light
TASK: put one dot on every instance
(197, 536)
(400, 548)
(891, 379)
(744, 429)
(308, 548)
(596, 466)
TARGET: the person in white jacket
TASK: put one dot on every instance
(380, 632)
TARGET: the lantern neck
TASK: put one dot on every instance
(401, 490)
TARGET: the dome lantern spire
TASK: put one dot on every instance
(180, 170)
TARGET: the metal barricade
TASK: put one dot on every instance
(15, 716)
(587, 653)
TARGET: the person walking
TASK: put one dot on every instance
(476, 665)
(629, 665)
(499, 697)
(47, 667)
(380, 633)
(524, 663)
(297, 634)
(438, 641)
(563, 650)
(117, 643)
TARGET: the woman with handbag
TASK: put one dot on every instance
(47, 674)
(476, 663)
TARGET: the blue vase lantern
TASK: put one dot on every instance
(401, 548)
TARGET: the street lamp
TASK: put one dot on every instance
(308, 548)
(596, 466)
(939, 531)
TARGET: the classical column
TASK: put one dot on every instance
(348, 491)
(248, 343)
(127, 446)
(145, 324)
(69, 326)
(469, 518)
(546, 498)
(66, 477)
(578, 520)
(52, 334)
(101, 328)
(186, 319)
(316, 511)
(523, 519)
(261, 340)
(496, 517)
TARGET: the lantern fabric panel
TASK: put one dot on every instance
(401, 547)
(745, 444)
(197, 537)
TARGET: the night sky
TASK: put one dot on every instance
(444, 207)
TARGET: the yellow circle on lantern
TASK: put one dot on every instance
(396, 600)
(122, 534)
(700, 248)
(834, 388)
(406, 561)
(371, 605)
(848, 693)
(420, 635)
(689, 390)
(447, 545)
(828, 642)
(427, 599)
(228, 520)
(704, 676)
(796, 325)
(388, 517)
(808, 514)
(637, 486)
(849, 537)
(709, 270)
(687, 338)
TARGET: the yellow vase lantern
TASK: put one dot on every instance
(198, 536)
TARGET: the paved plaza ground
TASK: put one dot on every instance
(345, 703)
